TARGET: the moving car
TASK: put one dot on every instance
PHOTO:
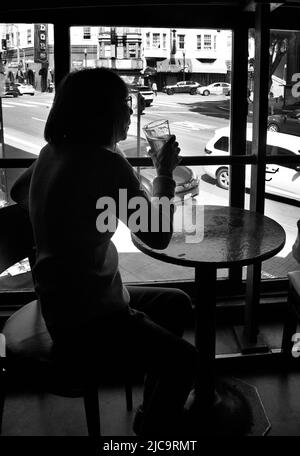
(187, 182)
(182, 87)
(25, 88)
(217, 88)
(10, 90)
(281, 180)
(146, 91)
(285, 123)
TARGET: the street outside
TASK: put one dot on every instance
(192, 118)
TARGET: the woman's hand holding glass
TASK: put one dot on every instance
(167, 158)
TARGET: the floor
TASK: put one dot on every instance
(31, 414)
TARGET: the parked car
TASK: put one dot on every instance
(281, 180)
(217, 88)
(10, 90)
(146, 91)
(25, 88)
(182, 87)
(187, 182)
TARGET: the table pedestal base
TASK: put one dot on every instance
(260, 346)
(238, 411)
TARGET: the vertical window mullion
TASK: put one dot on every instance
(62, 51)
(260, 108)
(257, 196)
(238, 121)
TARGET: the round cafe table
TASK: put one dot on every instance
(224, 237)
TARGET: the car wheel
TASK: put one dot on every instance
(223, 178)
(32, 94)
(170, 92)
(193, 91)
(206, 93)
(273, 127)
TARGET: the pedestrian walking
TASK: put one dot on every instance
(154, 88)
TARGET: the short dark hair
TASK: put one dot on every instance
(86, 107)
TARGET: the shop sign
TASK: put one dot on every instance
(41, 43)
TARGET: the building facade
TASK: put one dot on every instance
(162, 55)
(172, 55)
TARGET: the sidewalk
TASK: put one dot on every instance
(138, 267)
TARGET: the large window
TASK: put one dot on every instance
(198, 41)
(193, 119)
(156, 40)
(282, 181)
(181, 39)
(26, 84)
(207, 42)
(86, 33)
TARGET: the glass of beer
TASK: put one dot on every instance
(157, 134)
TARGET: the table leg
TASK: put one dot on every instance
(205, 332)
(249, 339)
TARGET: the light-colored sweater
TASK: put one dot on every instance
(76, 271)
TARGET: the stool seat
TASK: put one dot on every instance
(26, 347)
(26, 333)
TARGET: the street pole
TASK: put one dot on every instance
(113, 46)
(183, 77)
(85, 57)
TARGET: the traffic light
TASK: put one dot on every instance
(4, 44)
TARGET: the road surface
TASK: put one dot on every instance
(193, 119)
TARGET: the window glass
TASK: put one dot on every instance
(222, 144)
(198, 41)
(207, 41)
(27, 91)
(181, 41)
(156, 40)
(282, 182)
(86, 33)
(168, 57)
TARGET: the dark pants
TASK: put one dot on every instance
(149, 336)
(160, 315)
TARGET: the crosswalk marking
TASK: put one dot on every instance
(37, 118)
(23, 104)
(7, 106)
(40, 103)
(192, 125)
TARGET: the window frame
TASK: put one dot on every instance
(225, 19)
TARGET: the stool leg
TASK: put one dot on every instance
(290, 328)
(128, 392)
(290, 324)
(92, 413)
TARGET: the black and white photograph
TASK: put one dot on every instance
(149, 225)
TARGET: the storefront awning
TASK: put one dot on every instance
(191, 66)
(218, 66)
